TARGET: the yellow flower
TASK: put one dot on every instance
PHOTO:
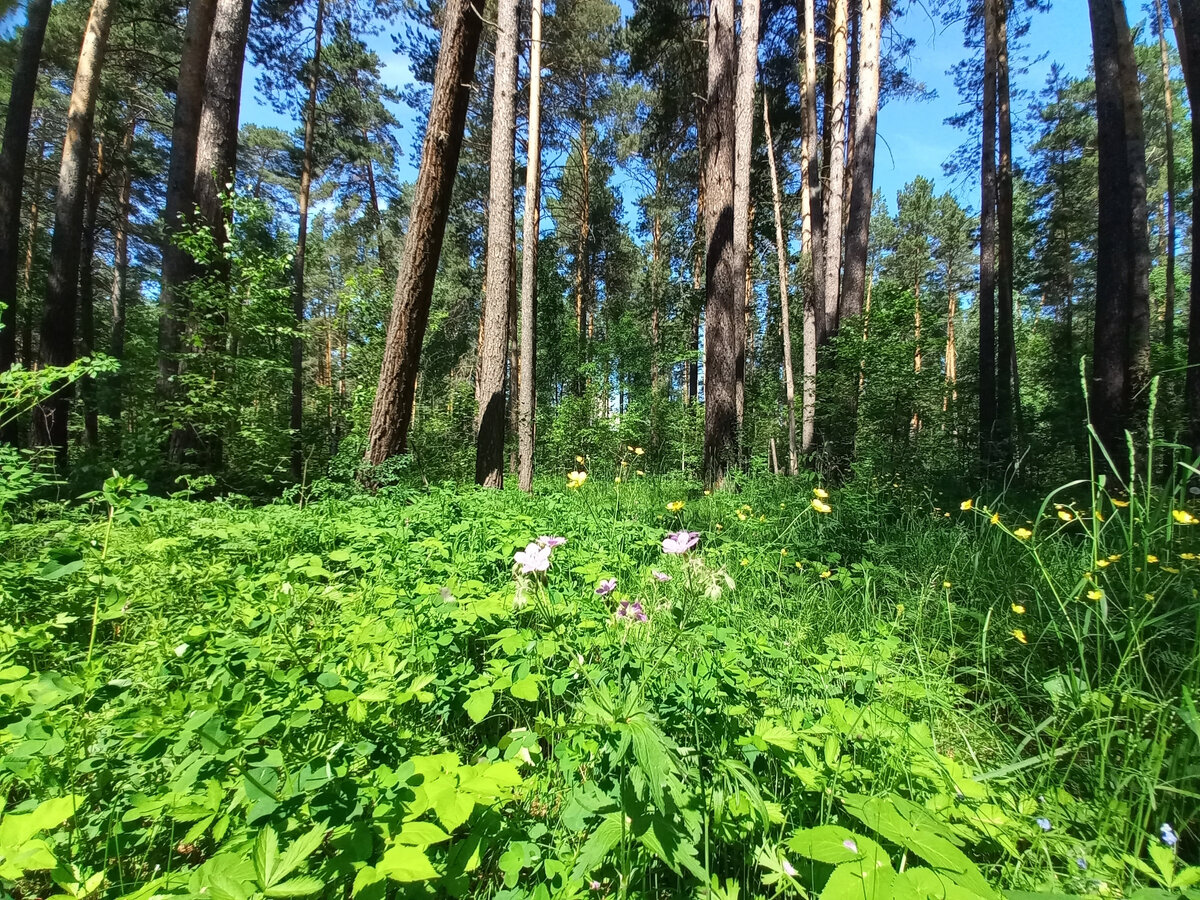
(1065, 515)
(1095, 595)
(967, 504)
(745, 562)
(617, 480)
(719, 526)
(579, 459)
(799, 565)
(706, 493)
(638, 451)
(1113, 557)
(1018, 609)
(826, 574)
(1149, 597)
(1023, 534)
(1183, 517)
(575, 479)
(741, 517)
(821, 492)
(1119, 504)
(1170, 569)
(1103, 563)
(995, 519)
(945, 515)
(820, 505)
(675, 506)
(1020, 635)
(1099, 516)
(1151, 558)
(1187, 555)
(899, 609)
(946, 585)
(640, 472)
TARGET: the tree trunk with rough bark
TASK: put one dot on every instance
(119, 296)
(181, 177)
(720, 288)
(812, 233)
(785, 315)
(394, 396)
(743, 116)
(1169, 164)
(296, 422)
(28, 357)
(987, 245)
(527, 385)
(62, 291)
(1006, 348)
(12, 178)
(87, 297)
(862, 175)
(837, 174)
(493, 344)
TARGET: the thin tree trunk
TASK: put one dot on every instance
(1006, 350)
(181, 177)
(119, 297)
(785, 314)
(296, 422)
(527, 386)
(12, 179)
(392, 412)
(837, 173)
(987, 244)
(720, 347)
(692, 373)
(1169, 195)
(62, 291)
(743, 116)
(87, 298)
(812, 234)
(493, 342)
(28, 356)
(863, 171)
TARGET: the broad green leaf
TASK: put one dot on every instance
(405, 864)
(266, 855)
(299, 850)
(479, 704)
(421, 834)
(830, 844)
(866, 879)
(300, 886)
(525, 688)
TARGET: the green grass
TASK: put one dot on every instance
(359, 696)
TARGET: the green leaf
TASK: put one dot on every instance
(525, 689)
(405, 864)
(479, 704)
(266, 855)
(830, 844)
(421, 834)
(865, 879)
(598, 846)
(301, 849)
(300, 886)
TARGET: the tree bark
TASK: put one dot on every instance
(296, 422)
(743, 115)
(721, 289)
(1169, 194)
(493, 347)
(28, 356)
(863, 171)
(527, 386)
(181, 176)
(392, 411)
(987, 243)
(837, 174)
(785, 314)
(87, 297)
(119, 297)
(1186, 19)
(812, 233)
(62, 290)
(1006, 350)
(12, 178)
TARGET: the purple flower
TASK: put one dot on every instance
(607, 586)
(631, 611)
(533, 558)
(788, 869)
(680, 542)
(551, 542)
(595, 885)
(1081, 863)
(1169, 837)
(1043, 824)
(850, 845)
(660, 577)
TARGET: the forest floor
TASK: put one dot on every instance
(870, 692)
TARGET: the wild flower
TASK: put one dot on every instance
(1102, 564)
(1151, 558)
(1023, 534)
(675, 506)
(606, 587)
(1018, 609)
(1095, 595)
(660, 577)
(631, 611)
(579, 459)
(741, 517)
(638, 451)
(680, 542)
(1044, 824)
(551, 541)
(788, 869)
(1168, 835)
(995, 519)
(617, 480)
(534, 558)
(1081, 864)
(850, 845)
(967, 504)
(595, 885)
(1188, 556)
(1020, 635)
(826, 574)
(947, 585)
(576, 479)
(820, 493)
(1119, 504)
(1065, 515)
(820, 505)
(1183, 517)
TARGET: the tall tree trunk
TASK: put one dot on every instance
(785, 314)
(119, 297)
(28, 356)
(987, 243)
(296, 422)
(59, 311)
(837, 174)
(582, 279)
(493, 345)
(1169, 164)
(862, 184)
(1186, 19)
(692, 369)
(951, 393)
(376, 215)
(743, 116)
(527, 386)
(1006, 350)
(720, 288)
(87, 297)
(181, 177)
(12, 179)
(812, 234)
(392, 412)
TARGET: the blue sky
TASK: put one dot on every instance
(913, 139)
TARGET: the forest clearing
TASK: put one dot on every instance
(645, 479)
